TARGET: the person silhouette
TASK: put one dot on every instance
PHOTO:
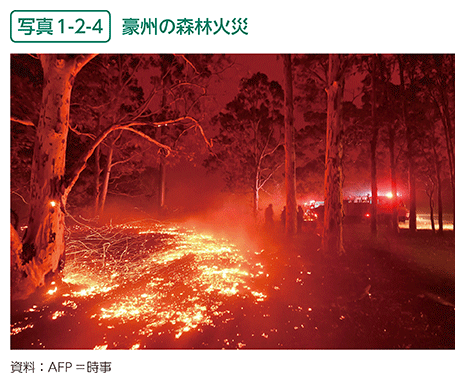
(269, 220)
(300, 219)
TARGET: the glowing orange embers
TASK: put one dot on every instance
(57, 314)
(101, 347)
(156, 278)
(52, 290)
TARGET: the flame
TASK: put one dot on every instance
(101, 347)
(69, 303)
(57, 314)
(52, 291)
(156, 275)
(17, 330)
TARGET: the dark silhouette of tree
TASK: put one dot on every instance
(332, 241)
(436, 81)
(393, 136)
(410, 145)
(108, 91)
(383, 126)
(26, 93)
(289, 148)
(427, 94)
(395, 133)
(248, 148)
(386, 128)
(430, 169)
(310, 99)
(184, 82)
(149, 88)
(374, 144)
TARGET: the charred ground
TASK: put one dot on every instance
(387, 292)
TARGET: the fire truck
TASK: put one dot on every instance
(359, 209)
(386, 207)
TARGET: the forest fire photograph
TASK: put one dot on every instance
(232, 201)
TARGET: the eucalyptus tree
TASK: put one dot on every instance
(54, 172)
(310, 98)
(436, 79)
(332, 241)
(289, 145)
(147, 89)
(248, 149)
(44, 242)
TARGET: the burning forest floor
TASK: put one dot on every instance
(152, 285)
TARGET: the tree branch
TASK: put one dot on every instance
(23, 122)
(188, 62)
(92, 136)
(82, 163)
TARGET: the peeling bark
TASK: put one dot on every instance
(44, 241)
(21, 285)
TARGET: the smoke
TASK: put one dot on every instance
(230, 216)
(196, 199)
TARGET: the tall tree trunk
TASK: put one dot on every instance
(256, 188)
(332, 227)
(431, 214)
(450, 152)
(289, 145)
(451, 157)
(392, 158)
(444, 111)
(430, 194)
(438, 180)
(373, 146)
(44, 240)
(410, 157)
(20, 286)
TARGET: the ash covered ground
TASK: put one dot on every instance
(153, 285)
